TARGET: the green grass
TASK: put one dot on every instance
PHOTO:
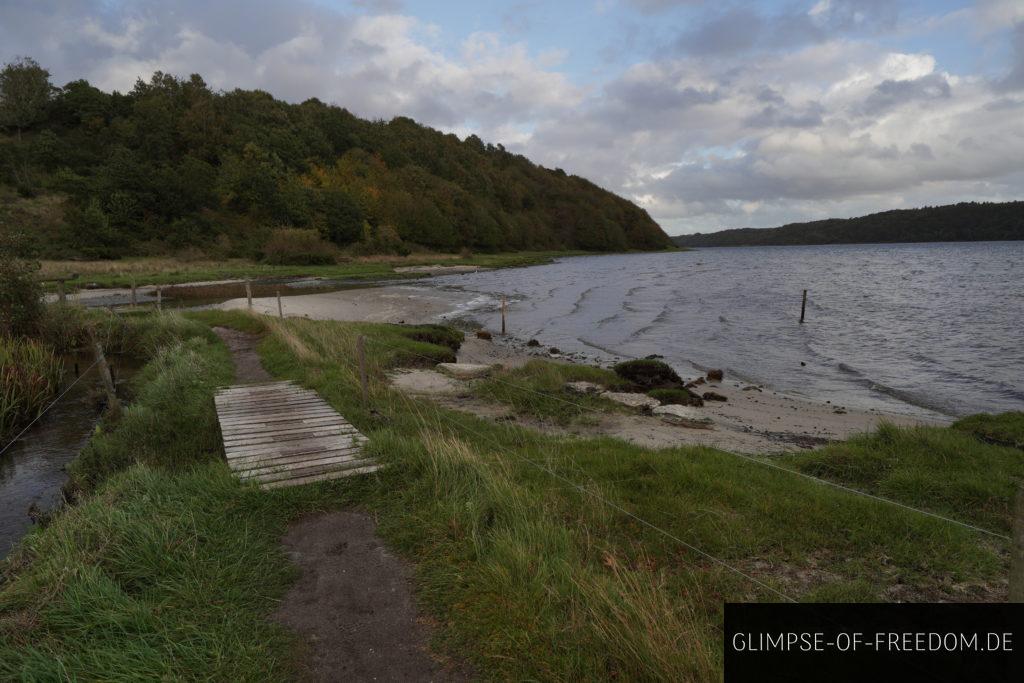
(30, 375)
(537, 389)
(943, 470)
(170, 568)
(1004, 429)
(168, 271)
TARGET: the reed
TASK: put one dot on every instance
(29, 376)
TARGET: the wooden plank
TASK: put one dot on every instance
(296, 472)
(327, 476)
(263, 469)
(290, 435)
(299, 446)
(281, 434)
(262, 463)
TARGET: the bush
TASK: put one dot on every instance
(435, 334)
(1005, 429)
(683, 397)
(297, 247)
(649, 374)
(21, 295)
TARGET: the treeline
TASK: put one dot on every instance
(964, 222)
(173, 164)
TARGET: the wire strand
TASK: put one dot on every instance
(47, 408)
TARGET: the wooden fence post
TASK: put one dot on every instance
(803, 306)
(61, 295)
(135, 300)
(159, 298)
(361, 352)
(502, 314)
(113, 404)
(280, 310)
(248, 293)
(1017, 549)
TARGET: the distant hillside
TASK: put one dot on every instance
(964, 222)
(174, 165)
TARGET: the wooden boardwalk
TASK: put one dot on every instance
(283, 435)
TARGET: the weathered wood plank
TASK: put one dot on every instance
(282, 434)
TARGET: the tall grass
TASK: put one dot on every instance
(30, 375)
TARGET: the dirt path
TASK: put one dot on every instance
(353, 602)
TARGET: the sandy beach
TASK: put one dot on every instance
(752, 419)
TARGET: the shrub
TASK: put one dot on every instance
(683, 397)
(297, 247)
(1005, 429)
(649, 374)
(20, 292)
(435, 334)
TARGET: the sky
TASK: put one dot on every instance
(709, 114)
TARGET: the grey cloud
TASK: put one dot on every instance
(890, 94)
(1015, 79)
(774, 116)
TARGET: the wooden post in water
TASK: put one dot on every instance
(159, 298)
(361, 352)
(803, 306)
(248, 293)
(502, 314)
(135, 300)
(280, 310)
(61, 296)
(1017, 549)
(113, 404)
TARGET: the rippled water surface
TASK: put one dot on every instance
(914, 328)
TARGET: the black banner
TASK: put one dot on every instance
(899, 642)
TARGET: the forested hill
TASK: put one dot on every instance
(173, 164)
(964, 222)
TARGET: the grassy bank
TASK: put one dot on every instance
(167, 271)
(170, 567)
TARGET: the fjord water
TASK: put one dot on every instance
(924, 329)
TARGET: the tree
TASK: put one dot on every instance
(20, 292)
(25, 91)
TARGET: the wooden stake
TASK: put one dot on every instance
(1017, 549)
(803, 306)
(361, 352)
(135, 300)
(280, 310)
(61, 296)
(113, 404)
(248, 293)
(159, 298)
(503, 314)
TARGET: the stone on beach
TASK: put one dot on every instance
(715, 375)
(684, 416)
(483, 334)
(641, 401)
(713, 396)
(464, 370)
(584, 387)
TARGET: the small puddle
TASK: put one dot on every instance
(32, 473)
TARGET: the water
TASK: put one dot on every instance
(922, 329)
(32, 470)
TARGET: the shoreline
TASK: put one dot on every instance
(753, 419)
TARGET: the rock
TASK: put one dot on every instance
(684, 416)
(695, 383)
(712, 396)
(632, 400)
(464, 370)
(584, 387)
(554, 351)
(715, 375)
(533, 342)
(751, 388)
(654, 356)
(648, 374)
(483, 334)
(802, 363)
